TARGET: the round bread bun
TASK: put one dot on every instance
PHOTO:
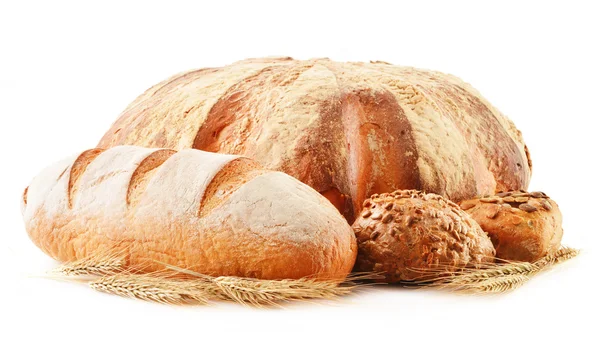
(522, 226)
(409, 235)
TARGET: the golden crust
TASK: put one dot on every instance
(348, 130)
(409, 235)
(152, 206)
(522, 226)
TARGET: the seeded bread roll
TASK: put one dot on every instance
(215, 214)
(348, 130)
(407, 235)
(522, 226)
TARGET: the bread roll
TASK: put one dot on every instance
(211, 213)
(411, 236)
(348, 130)
(523, 226)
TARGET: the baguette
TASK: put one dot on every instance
(221, 215)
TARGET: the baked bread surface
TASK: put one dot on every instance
(211, 213)
(348, 130)
(409, 235)
(523, 226)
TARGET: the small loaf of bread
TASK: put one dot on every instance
(211, 213)
(408, 235)
(523, 226)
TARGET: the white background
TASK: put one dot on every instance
(68, 69)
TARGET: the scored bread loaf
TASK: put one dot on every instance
(348, 130)
(211, 213)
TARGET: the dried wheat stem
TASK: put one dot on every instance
(176, 285)
(196, 288)
(164, 288)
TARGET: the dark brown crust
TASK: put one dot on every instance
(409, 235)
(522, 226)
(25, 196)
(77, 170)
(143, 173)
(528, 155)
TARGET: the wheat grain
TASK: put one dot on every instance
(164, 288)
(502, 277)
(175, 285)
(97, 266)
(160, 289)
(182, 286)
(499, 284)
(562, 254)
(258, 292)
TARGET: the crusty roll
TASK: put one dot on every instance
(408, 235)
(211, 213)
(523, 226)
(348, 130)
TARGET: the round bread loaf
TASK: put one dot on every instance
(409, 235)
(522, 226)
(348, 130)
(216, 214)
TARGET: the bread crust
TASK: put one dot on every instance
(348, 130)
(148, 205)
(522, 226)
(412, 236)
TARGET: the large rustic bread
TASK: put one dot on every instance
(408, 235)
(346, 129)
(523, 226)
(211, 213)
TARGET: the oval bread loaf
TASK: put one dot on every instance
(211, 213)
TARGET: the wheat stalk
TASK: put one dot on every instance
(564, 253)
(160, 289)
(258, 292)
(98, 265)
(182, 286)
(163, 288)
(175, 285)
(501, 277)
(498, 284)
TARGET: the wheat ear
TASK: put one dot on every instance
(258, 292)
(152, 288)
(502, 277)
(169, 290)
(100, 265)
